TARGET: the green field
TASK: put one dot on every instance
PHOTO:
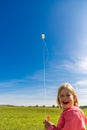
(27, 118)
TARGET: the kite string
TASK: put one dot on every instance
(45, 58)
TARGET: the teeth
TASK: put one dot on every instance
(65, 102)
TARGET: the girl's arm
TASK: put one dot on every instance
(52, 127)
(84, 117)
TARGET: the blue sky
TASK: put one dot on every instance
(64, 24)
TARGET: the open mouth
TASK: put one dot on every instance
(65, 102)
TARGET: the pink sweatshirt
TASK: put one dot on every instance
(71, 119)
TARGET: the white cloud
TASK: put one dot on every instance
(83, 82)
(78, 65)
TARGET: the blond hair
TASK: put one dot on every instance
(71, 90)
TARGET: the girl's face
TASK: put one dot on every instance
(66, 99)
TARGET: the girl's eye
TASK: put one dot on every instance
(61, 96)
(68, 95)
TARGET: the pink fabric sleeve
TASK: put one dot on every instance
(85, 119)
(52, 127)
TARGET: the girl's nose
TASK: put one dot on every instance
(65, 97)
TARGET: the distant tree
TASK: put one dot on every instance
(57, 106)
(36, 105)
(53, 105)
(83, 106)
(43, 105)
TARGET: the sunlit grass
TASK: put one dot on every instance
(27, 118)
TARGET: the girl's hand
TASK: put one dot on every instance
(46, 124)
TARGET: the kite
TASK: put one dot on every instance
(43, 36)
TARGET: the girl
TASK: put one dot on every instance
(72, 117)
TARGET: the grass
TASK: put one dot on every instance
(27, 118)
